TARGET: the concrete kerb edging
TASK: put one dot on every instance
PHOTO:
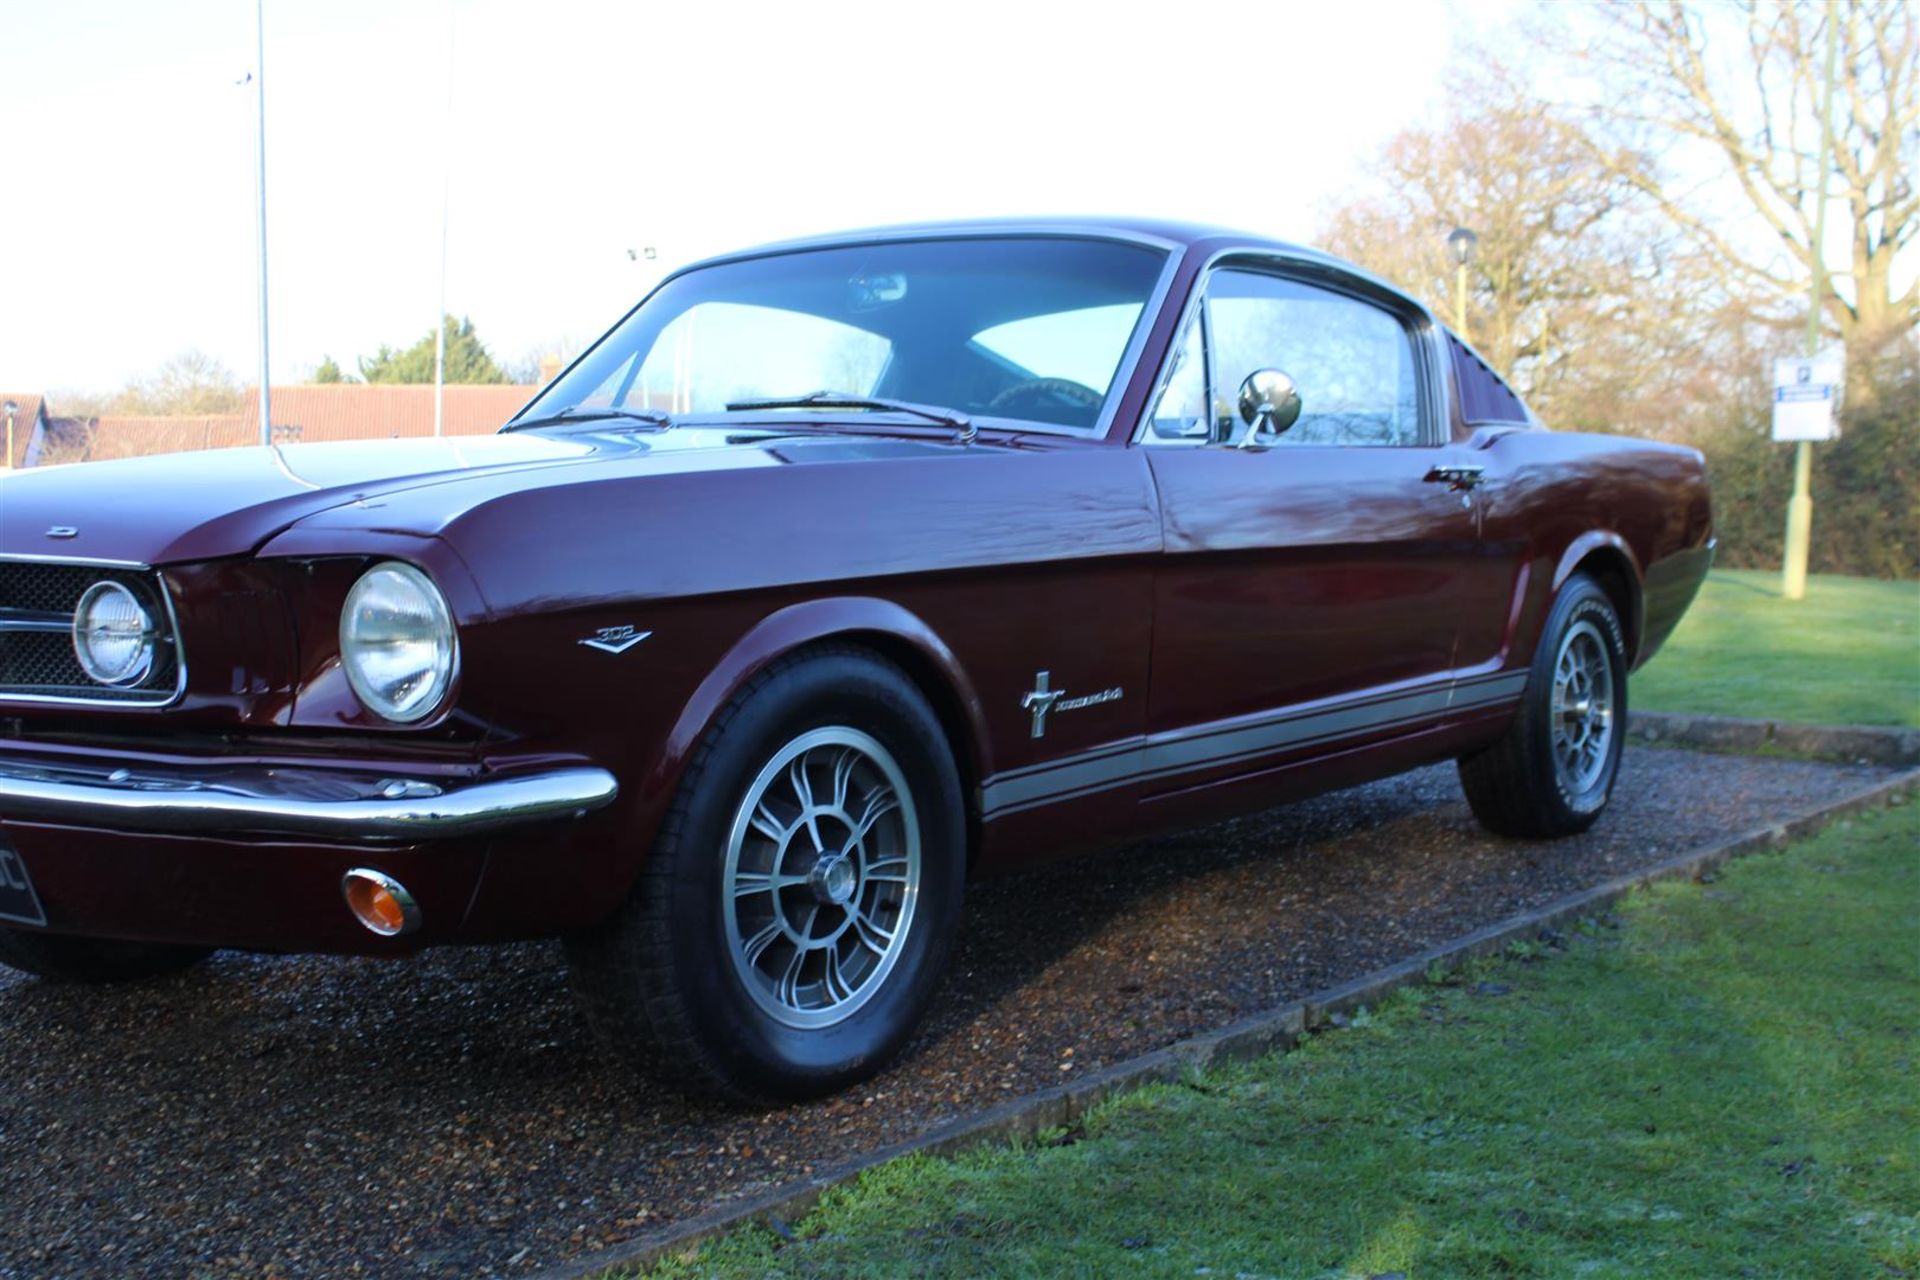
(1848, 743)
(1276, 1030)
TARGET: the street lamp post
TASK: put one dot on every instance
(1461, 244)
(13, 407)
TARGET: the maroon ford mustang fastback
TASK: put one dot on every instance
(835, 573)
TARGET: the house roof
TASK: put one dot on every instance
(332, 411)
(25, 419)
(363, 411)
(60, 440)
(137, 435)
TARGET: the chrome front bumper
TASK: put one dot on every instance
(319, 804)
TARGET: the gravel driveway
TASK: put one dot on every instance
(448, 1115)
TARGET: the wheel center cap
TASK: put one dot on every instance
(832, 879)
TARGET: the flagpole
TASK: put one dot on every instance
(446, 188)
(260, 175)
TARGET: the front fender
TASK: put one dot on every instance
(808, 622)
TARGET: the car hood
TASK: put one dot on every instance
(220, 502)
(179, 507)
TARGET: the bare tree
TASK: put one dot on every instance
(191, 382)
(1576, 295)
(1741, 84)
(542, 362)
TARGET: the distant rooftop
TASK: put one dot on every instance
(304, 412)
(367, 411)
(29, 409)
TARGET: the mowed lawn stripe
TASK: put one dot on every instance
(1723, 1080)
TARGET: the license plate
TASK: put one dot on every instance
(18, 901)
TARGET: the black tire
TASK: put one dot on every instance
(664, 983)
(1521, 786)
(60, 958)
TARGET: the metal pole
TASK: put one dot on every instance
(1460, 300)
(440, 347)
(1793, 563)
(446, 188)
(260, 173)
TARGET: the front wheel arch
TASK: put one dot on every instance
(888, 630)
(959, 716)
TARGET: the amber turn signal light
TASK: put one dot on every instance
(380, 902)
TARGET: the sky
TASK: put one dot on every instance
(564, 134)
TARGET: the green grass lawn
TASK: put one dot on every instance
(1724, 1081)
(1847, 654)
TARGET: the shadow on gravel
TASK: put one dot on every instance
(448, 1115)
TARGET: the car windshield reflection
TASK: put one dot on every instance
(1032, 331)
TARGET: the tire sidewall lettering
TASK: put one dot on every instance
(1591, 606)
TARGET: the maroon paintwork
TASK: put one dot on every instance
(1218, 589)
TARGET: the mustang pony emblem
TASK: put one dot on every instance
(1044, 699)
(615, 639)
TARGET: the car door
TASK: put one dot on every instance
(1310, 591)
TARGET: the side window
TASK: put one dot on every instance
(1181, 411)
(1351, 361)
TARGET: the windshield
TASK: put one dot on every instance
(1031, 331)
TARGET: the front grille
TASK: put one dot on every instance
(37, 601)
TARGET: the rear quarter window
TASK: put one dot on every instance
(1485, 400)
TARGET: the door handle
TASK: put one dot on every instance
(1456, 477)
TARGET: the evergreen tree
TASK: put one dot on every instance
(467, 360)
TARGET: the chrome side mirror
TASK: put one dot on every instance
(1269, 404)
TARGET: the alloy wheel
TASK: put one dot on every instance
(821, 877)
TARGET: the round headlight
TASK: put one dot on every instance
(397, 642)
(113, 635)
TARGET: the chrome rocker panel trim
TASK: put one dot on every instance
(338, 807)
(1206, 746)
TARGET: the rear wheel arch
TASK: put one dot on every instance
(1552, 772)
(1605, 557)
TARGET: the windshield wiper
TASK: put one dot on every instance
(593, 413)
(961, 424)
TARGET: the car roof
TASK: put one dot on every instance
(1168, 233)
